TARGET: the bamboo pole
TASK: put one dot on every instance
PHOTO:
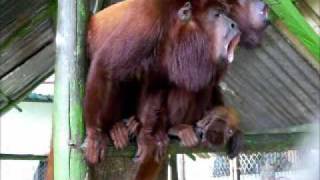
(68, 124)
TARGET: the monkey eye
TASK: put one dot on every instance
(218, 13)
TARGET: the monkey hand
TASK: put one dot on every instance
(186, 134)
(119, 135)
(133, 126)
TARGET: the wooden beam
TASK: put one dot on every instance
(68, 124)
(253, 143)
(17, 84)
(22, 157)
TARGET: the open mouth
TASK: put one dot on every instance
(231, 47)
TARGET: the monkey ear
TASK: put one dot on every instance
(185, 13)
(235, 144)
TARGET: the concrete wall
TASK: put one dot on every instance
(26, 132)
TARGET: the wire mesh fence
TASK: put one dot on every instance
(266, 165)
(40, 173)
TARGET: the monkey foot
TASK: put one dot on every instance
(95, 148)
(152, 147)
(119, 135)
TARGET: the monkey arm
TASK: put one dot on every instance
(101, 108)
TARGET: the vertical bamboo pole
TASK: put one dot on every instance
(68, 125)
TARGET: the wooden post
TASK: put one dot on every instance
(68, 123)
(174, 166)
(234, 168)
(20, 157)
(181, 166)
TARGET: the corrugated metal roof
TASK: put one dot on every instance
(274, 86)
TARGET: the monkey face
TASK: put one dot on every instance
(223, 33)
(252, 18)
(199, 39)
(215, 133)
(219, 129)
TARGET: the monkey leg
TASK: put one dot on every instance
(150, 156)
(101, 110)
(149, 169)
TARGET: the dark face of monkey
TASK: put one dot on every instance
(252, 19)
(223, 32)
(220, 128)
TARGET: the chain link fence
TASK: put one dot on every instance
(40, 172)
(266, 165)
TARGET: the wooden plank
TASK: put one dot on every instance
(118, 164)
(174, 167)
(16, 80)
(15, 12)
(22, 157)
(19, 52)
(21, 95)
(252, 143)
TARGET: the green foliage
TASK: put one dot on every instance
(295, 22)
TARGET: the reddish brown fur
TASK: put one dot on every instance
(137, 44)
(117, 49)
(132, 46)
(144, 38)
(188, 107)
(191, 76)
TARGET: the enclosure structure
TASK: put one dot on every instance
(275, 88)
